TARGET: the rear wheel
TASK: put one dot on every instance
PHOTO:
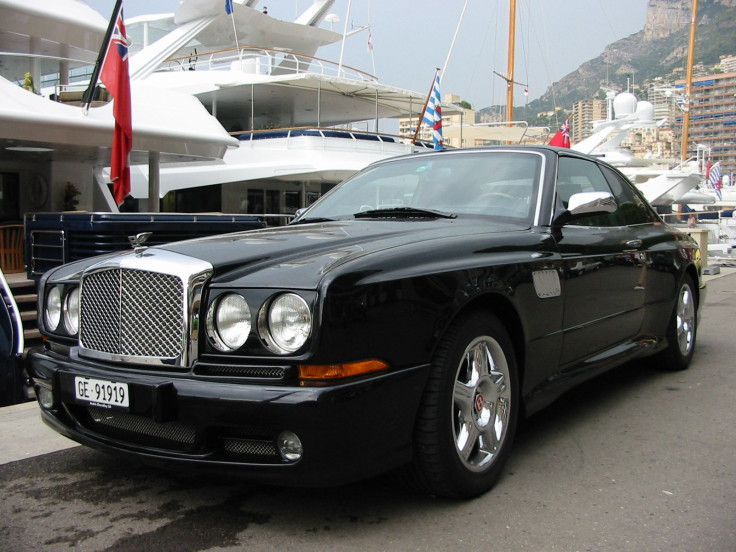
(682, 329)
(469, 411)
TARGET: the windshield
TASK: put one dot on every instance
(491, 183)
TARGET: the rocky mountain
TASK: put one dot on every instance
(658, 50)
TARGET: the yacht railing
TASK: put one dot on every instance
(264, 61)
(355, 136)
(77, 70)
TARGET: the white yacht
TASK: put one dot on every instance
(303, 123)
(47, 147)
(297, 123)
(664, 182)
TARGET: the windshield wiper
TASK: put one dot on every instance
(404, 212)
(314, 219)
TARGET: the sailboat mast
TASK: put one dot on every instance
(510, 73)
(689, 82)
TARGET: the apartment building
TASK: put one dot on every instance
(712, 119)
(453, 114)
(584, 112)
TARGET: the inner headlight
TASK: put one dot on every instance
(71, 311)
(228, 322)
(289, 323)
(52, 314)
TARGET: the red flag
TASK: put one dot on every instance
(562, 138)
(116, 78)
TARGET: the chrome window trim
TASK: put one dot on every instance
(14, 314)
(540, 176)
(192, 272)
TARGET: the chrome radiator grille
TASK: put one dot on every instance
(133, 313)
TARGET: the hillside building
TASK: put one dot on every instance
(663, 96)
(584, 112)
(453, 114)
(728, 64)
(712, 119)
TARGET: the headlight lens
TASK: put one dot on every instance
(289, 323)
(228, 322)
(52, 314)
(71, 311)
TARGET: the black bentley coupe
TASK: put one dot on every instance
(408, 319)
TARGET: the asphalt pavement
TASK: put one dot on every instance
(635, 460)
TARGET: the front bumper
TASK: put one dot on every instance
(349, 431)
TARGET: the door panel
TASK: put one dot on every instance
(602, 289)
(605, 263)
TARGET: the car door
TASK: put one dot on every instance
(603, 267)
(656, 245)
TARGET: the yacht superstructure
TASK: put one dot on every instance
(48, 145)
(303, 123)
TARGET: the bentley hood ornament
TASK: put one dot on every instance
(138, 240)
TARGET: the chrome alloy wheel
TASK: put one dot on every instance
(481, 403)
(685, 314)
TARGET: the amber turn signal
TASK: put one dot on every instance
(337, 371)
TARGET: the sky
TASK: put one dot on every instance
(412, 38)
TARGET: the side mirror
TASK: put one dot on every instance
(585, 204)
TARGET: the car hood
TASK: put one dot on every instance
(302, 255)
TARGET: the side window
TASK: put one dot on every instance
(632, 209)
(579, 175)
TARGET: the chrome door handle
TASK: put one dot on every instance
(634, 244)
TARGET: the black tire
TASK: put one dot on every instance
(682, 329)
(468, 414)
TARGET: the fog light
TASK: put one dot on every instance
(290, 447)
(45, 397)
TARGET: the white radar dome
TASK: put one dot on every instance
(645, 111)
(624, 105)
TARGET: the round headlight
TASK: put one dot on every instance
(52, 315)
(71, 311)
(228, 322)
(289, 322)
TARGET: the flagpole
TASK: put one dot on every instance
(421, 117)
(235, 32)
(87, 97)
(344, 34)
(689, 82)
(454, 38)
(510, 76)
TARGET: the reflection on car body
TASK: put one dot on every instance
(12, 389)
(407, 319)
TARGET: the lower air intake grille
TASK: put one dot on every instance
(140, 430)
(260, 372)
(250, 447)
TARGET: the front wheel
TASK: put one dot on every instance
(682, 329)
(469, 411)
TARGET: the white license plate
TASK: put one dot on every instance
(101, 392)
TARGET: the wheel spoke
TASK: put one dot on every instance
(489, 440)
(467, 440)
(501, 418)
(482, 360)
(499, 382)
(463, 397)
